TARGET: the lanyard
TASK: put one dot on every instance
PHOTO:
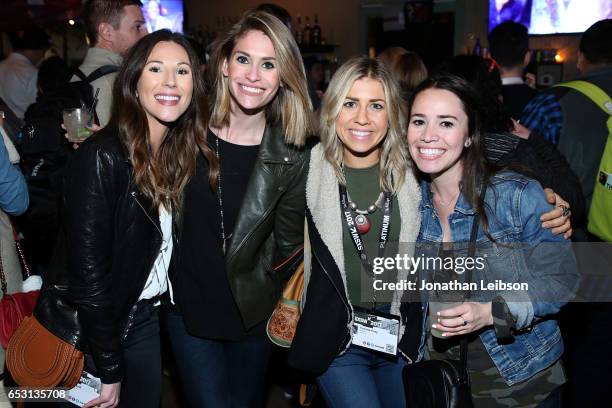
(354, 233)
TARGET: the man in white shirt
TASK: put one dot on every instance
(113, 27)
(18, 71)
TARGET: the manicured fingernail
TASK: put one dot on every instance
(439, 320)
(434, 326)
(437, 313)
(443, 334)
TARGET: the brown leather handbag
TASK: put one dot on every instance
(37, 358)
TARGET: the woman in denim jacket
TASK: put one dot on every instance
(514, 340)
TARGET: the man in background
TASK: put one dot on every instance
(19, 72)
(509, 46)
(572, 121)
(577, 125)
(113, 27)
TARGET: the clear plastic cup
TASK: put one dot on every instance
(434, 308)
(76, 121)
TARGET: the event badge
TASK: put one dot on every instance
(87, 389)
(376, 331)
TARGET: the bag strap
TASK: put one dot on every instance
(2, 277)
(100, 72)
(463, 344)
(80, 74)
(25, 266)
(593, 92)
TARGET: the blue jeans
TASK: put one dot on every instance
(362, 378)
(216, 373)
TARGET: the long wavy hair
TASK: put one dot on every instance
(161, 178)
(393, 152)
(291, 106)
(476, 171)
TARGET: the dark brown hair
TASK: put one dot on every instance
(104, 11)
(476, 171)
(163, 177)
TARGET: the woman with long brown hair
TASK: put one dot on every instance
(121, 199)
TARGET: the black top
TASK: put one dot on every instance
(516, 97)
(203, 293)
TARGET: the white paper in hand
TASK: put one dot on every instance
(87, 389)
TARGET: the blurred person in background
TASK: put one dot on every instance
(155, 20)
(406, 66)
(113, 26)
(19, 72)
(506, 142)
(509, 46)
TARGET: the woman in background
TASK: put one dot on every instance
(406, 66)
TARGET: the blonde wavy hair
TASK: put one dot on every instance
(291, 106)
(394, 160)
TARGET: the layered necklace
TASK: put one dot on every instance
(225, 238)
(362, 222)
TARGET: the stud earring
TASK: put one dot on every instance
(468, 143)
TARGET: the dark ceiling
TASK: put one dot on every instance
(16, 13)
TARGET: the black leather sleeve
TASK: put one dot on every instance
(90, 198)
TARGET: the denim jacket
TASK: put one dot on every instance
(513, 204)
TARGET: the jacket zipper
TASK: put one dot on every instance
(348, 309)
(133, 194)
(269, 161)
(132, 313)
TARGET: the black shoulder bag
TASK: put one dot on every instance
(442, 383)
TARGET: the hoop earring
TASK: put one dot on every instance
(468, 143)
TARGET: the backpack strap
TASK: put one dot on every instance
(80, 74)
(100, 72)
(593, 92)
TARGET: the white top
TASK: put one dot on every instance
(512, 81)
(158, 281)
(18, 77)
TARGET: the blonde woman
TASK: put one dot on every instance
(359, 176)
(243, 213)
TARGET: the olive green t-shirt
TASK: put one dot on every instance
(363, 186)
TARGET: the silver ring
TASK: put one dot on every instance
(565, 210)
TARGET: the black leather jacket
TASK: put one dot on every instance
(109, 241)
(269, 227)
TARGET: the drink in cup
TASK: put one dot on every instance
(76, 121)
(434, 308)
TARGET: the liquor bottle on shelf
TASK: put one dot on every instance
(298, 31)
(316, 32)
(477, 48)
(307, 33)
